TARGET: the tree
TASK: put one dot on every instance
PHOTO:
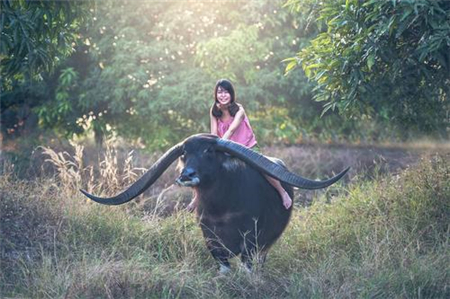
(37, 34)
(147, 70)
(35, 37)
(386, 59)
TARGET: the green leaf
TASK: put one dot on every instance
(290, 66)
(370, 61)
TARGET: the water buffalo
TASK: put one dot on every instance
(238, 210)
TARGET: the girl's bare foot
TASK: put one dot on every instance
(192, 205)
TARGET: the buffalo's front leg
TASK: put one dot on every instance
(220, 254)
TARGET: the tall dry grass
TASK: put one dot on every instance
(110, 175)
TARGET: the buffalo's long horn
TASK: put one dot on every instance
(275, 170)
(144, 182)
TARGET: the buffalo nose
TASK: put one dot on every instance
(188, 173)
(188, 178)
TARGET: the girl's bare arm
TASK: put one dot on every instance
(238, 118)
(213, 122)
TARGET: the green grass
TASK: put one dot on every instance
(384, 238)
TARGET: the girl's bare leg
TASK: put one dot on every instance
(287, 201)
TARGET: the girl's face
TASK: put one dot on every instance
(223, 96)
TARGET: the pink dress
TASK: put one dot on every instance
(243, 134)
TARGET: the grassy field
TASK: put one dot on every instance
(382, 234)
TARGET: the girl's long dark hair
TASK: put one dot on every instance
(233, 107)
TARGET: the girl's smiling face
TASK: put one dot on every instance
(223, 96)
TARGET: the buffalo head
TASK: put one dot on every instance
(201, 156)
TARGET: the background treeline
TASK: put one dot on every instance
(145, 70)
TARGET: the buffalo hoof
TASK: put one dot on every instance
(224, 269)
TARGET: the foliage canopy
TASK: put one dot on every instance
(389, 59)
(146, 71)
(36, 35)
